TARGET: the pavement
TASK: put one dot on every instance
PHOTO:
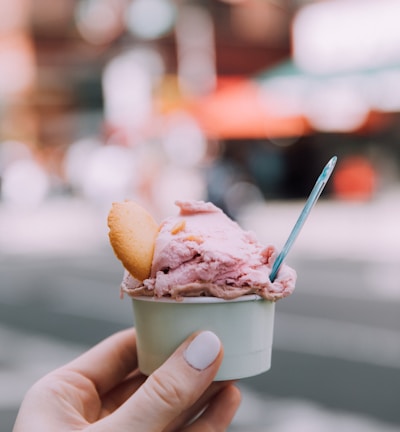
(367, 230)
(335, 229)
(72, 234)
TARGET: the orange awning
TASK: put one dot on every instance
(237, 110)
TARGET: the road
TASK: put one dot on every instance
(336, 358)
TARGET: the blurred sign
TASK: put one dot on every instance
(343, 35)
(336, 102)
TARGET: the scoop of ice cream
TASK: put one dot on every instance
(201, 251)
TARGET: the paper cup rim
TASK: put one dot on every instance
(198, 300)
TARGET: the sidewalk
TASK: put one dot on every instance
(334, 230)
(368, 231)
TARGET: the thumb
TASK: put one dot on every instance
(174, 387)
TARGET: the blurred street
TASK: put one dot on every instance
(237, 102)
(336, 359)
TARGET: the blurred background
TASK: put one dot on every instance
(239, 102)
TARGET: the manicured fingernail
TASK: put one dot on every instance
(203, 350)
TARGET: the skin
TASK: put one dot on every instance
(102, 390)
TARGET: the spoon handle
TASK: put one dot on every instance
(312, 199)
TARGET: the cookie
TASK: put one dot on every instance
(132, 236)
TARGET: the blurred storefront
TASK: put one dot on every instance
(224, 75)
(102, 100)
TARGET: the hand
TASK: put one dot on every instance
(102, 390)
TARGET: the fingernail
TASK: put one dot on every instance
(203, 350)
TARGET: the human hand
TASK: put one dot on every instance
(102, 390)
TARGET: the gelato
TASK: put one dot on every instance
(198, 270)
(202, 252)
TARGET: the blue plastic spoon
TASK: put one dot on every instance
(312, 199)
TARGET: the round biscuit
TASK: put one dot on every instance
(132, 236)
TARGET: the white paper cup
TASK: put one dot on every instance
(244, 325)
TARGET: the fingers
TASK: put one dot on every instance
(109, 362)
(220, 412)
(118, 395)
(173, 388)
(185, 417)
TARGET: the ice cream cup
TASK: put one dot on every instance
(244, 325)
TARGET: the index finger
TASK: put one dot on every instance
(109, 362)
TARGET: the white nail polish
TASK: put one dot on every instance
(203, 350)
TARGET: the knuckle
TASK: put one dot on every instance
(168, 392)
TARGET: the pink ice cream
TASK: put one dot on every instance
(202, 252)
